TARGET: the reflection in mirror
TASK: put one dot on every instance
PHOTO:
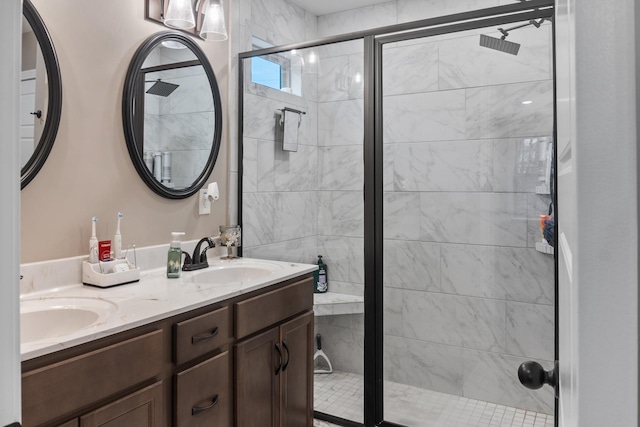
(177, 104)
(40, 94)
(172, 115)
(33, 90)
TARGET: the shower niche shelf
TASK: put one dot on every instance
(544, 247)
(333, 304)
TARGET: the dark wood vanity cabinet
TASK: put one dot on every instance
(274, 368)
(212, 366)
(203, 392)
(142, 408)
(296, 400)
(85, 379)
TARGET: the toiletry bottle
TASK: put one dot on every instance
(93, 242)
(321, 283)
(174, 258)
(117, 240)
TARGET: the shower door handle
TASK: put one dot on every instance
(532, 375)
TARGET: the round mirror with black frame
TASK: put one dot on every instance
(172, 115)
(40, 93)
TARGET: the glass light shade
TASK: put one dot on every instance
(213, 26)
(180, 15)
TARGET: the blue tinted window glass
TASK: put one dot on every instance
(266, 73)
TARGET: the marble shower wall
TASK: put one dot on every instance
(277, 22)
(279, 188)
(467, 297)
(340, 197)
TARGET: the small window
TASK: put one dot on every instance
(266, 73)
(280, 71)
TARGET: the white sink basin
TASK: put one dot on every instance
(240, 272)
(48, 318)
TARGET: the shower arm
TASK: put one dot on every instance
(505, 32)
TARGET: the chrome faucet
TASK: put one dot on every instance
(199, 259)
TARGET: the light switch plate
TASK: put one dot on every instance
(204, 203)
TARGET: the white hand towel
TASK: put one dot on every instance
(291, 126)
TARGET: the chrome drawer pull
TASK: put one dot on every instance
(198, 409)
(199, 338)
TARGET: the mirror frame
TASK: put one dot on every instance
(128, 120)
(54, 107)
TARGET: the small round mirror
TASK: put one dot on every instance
(40, 95)
(172, 115)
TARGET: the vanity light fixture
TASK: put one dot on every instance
(213, 27)
(180, 15)
(201, 18)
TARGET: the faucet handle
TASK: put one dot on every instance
(187, 258)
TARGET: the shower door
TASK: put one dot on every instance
(468, 281)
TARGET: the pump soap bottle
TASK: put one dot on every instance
(174, 258)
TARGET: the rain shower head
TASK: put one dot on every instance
(161, 88)
(500, 44)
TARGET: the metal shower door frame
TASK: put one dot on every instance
(374, 191)
(374, 40)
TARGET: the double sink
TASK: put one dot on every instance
(53, 317)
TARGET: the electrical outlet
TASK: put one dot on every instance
(204, 204)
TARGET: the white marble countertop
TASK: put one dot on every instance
(153, 298)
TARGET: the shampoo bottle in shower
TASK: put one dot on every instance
(321, 283)
(174, 257)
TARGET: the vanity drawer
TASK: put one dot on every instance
(64, 387)
(204, 394)
(264, 310)
(202, 334)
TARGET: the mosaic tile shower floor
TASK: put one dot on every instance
(341, 394)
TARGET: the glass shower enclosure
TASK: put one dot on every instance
(421, 166)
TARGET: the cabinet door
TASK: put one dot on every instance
(258, 366)
(297, 371)
(141, 409)
(203, 394)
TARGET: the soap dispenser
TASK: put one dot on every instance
(174, 258)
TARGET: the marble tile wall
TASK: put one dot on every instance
(467, 298)
(279, 188)
(463, 283)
